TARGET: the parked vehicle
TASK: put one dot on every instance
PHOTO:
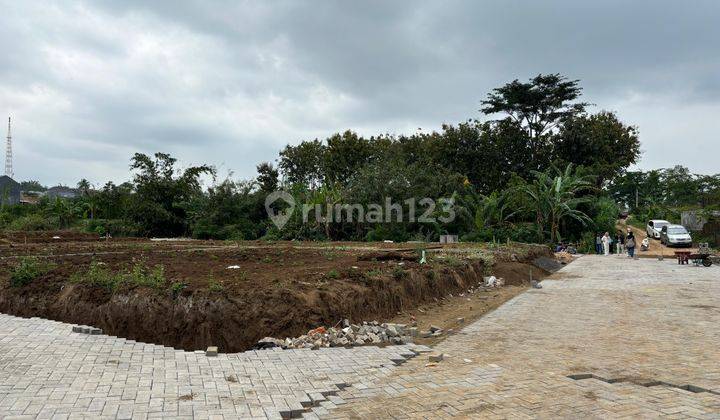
(654, 227)
(675, 235)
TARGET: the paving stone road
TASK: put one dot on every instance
(643, 329)
(641, 339)
(48, 371)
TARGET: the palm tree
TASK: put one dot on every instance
(554, 197)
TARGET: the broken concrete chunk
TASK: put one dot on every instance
(211, 351)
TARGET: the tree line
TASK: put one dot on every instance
(536, 166)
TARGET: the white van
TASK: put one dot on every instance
(654, 227)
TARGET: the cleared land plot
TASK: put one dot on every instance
(183, 293)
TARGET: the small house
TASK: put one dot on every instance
(9, 190)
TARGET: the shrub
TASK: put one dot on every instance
(142, 275)
(28, 270)
(115, 227)
(139, 275)
(176, 288)
(398, 273)
(333, 274)
(33, 222)
(98, 275)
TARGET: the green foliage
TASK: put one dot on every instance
(662, 189)
(33, 222)
(333, 274)
(162, 194)
(554, 196)
(499, 175)
(601, 143)
(215, 287)
(398, 273)
(32, 185)
(538, 105)
(27, 270)
(606, 215)
(98, 275)
(176, 288)
(139, 274)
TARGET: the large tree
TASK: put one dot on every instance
(302, 164)
(538, 106)
(600, 142)
(162, 194)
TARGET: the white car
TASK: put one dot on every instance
(654, 227)
(675, 235)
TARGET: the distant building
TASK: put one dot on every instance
(30, 197)
(61, 192)
(695, 220)
(9, 190)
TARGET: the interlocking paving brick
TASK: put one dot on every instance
(49, 371)
(611, 317)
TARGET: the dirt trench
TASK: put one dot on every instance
(235, 319)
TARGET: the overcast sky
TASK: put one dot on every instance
(229, 84)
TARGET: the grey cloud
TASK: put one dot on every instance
(230, 83)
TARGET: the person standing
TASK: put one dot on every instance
(619, 242)
(630, 244)
(598, 244)
(606, 243)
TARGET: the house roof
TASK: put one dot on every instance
(4, 179)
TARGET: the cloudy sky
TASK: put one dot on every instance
(90, 83)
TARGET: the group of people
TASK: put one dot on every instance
(623, 243)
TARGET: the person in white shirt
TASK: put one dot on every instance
(606, 243)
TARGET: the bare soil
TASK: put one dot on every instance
(281, 289)
(446, 312)
(655, 249)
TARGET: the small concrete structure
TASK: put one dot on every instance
(449, 239)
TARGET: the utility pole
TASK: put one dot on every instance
(8, 153)
(637, 198)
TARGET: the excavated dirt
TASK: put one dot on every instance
(280, 290)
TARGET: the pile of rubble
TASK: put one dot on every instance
(370, 333)
(350, 335)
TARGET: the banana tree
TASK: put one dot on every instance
(554, 196)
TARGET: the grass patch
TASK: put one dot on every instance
(333, 274)
(139, 275)
(27, 270)
(453, 261)
(215, 287)
(176, 288)
(398, 273)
